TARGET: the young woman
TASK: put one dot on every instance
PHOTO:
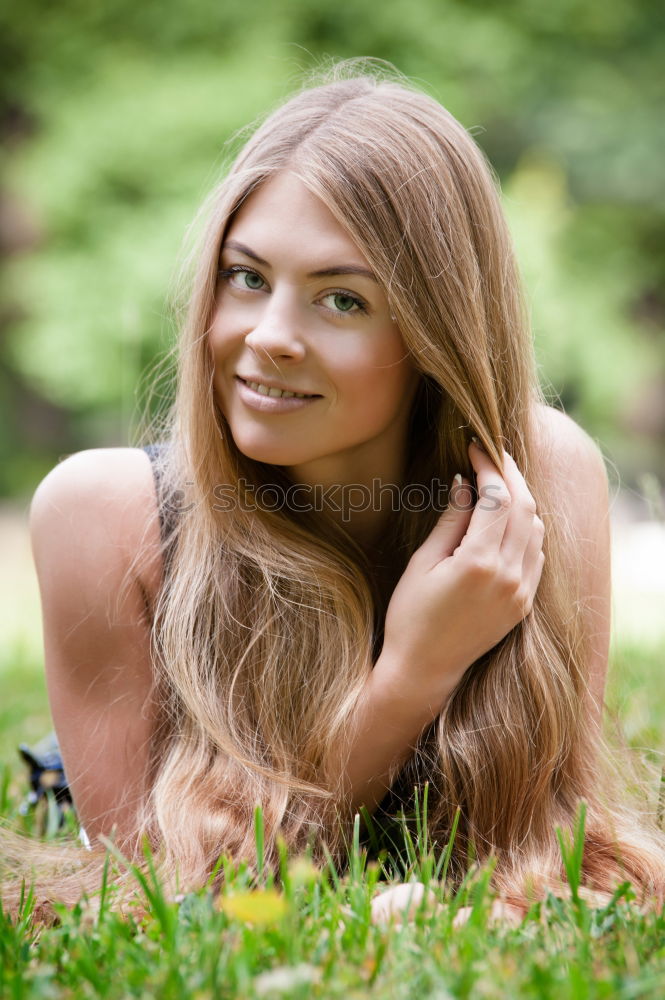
(363, 552)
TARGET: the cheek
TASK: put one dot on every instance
(376, 380)
(218, 334)
(222, 342)
(220, 351)
(214, 333)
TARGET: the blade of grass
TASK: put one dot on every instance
(331, 867)
(358, 857)
(371, 829)
(572, 853)
(213, 873)
(408, 844)
(103, 892)
(446, 854)
(259, 836)
(154, 895)
(52, 816)
(419, 824)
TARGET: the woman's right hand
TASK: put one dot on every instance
(470, 582)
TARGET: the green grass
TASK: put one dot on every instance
(313, 937)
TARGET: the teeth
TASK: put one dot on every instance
(284, 393)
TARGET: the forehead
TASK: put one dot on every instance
(283, 214)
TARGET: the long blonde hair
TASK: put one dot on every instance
(259, 608)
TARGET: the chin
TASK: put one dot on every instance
(276, 453)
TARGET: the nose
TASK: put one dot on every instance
(277, 334)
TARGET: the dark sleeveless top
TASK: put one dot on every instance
(167, 507)
(152, 450)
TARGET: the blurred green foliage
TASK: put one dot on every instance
(116, 115)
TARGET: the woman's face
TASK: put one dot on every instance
(299, 310)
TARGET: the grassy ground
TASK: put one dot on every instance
(314, 937)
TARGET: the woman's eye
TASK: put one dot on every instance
(343, 303)
(245, 278)
(251, 279)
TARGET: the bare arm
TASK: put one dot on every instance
(86, 520)
(578, 481)
(383, 735)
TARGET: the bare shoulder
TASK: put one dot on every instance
(573, 467)
(100, 505)
(569, 457)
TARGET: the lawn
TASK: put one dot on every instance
(313, 937)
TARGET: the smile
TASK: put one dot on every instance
(266, 390)
(270, 399)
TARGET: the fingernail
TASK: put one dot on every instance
(457, 480)
(476, 441)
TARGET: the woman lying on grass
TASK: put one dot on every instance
(335, 593)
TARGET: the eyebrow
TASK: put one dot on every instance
(325, 272)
